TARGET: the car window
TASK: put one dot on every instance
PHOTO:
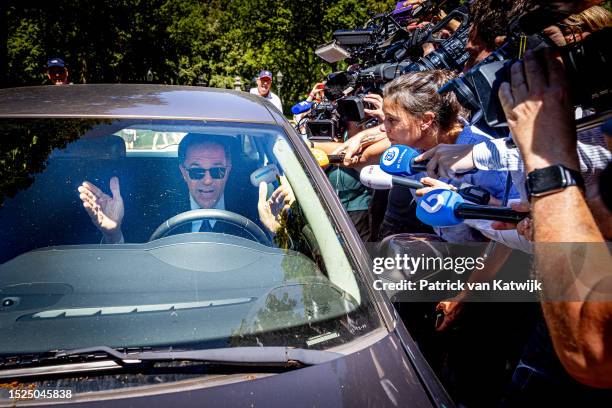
(199, 283)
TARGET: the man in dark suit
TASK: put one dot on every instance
(205, 163)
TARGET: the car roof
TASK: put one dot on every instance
(134, 101)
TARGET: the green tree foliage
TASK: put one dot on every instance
(27, 144)
(189, 42)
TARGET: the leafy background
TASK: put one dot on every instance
(186, 42)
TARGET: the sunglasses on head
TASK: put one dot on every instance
(198, 173)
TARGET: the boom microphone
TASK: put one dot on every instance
(445, 208)
(301, 107)
(374, 177)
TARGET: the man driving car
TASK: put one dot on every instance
(205, 163)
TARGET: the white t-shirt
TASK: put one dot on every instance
(272, 97)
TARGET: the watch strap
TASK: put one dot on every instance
(571, 177)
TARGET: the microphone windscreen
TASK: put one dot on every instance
(374, 177)
(396, 160)
(320, 156)
(267, 174)
(301, 107)
(437, 208)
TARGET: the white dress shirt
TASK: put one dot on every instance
(196, 225)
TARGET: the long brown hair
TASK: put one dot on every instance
(417, 93)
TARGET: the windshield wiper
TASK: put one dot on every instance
(287, 357)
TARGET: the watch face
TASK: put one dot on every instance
(547, 180)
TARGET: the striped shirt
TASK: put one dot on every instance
(497, 154)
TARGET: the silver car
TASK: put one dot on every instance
(173, 314)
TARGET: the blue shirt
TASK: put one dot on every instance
(493, 181)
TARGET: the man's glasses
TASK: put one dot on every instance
(198, 173)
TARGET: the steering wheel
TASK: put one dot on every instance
(212, 214)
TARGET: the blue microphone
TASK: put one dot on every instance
(445, 208)
(301, 107)
(398, 160)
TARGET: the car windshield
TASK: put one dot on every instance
(224, 240)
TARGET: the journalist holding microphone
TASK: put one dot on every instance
(416, 115)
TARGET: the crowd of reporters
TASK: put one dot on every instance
(528, 163)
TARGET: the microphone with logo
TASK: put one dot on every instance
(445, 208)
(374, 177)
(398, 160)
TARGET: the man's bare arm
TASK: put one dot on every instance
(579, 329)
(580, 324)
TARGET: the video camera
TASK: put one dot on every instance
(380, 52)
(451, 53)
(587, 65)
(328, 119)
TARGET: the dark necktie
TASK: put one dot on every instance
(206, 227)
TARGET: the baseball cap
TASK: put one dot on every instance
(56, 62)
(265, 74)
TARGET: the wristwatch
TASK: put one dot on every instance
(552, 179)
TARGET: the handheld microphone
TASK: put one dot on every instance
(301, 107)
(374, 177)
(445, 208)
(267, 173)
(325, 159)
(398, 160)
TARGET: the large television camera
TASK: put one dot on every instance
(587, 65)
(343, 103)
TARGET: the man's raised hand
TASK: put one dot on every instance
(106, 212)
(273, 209)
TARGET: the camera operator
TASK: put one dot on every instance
(367, 146)
(488, 23)
(539, 114)
(316, 95)
(447, 160)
